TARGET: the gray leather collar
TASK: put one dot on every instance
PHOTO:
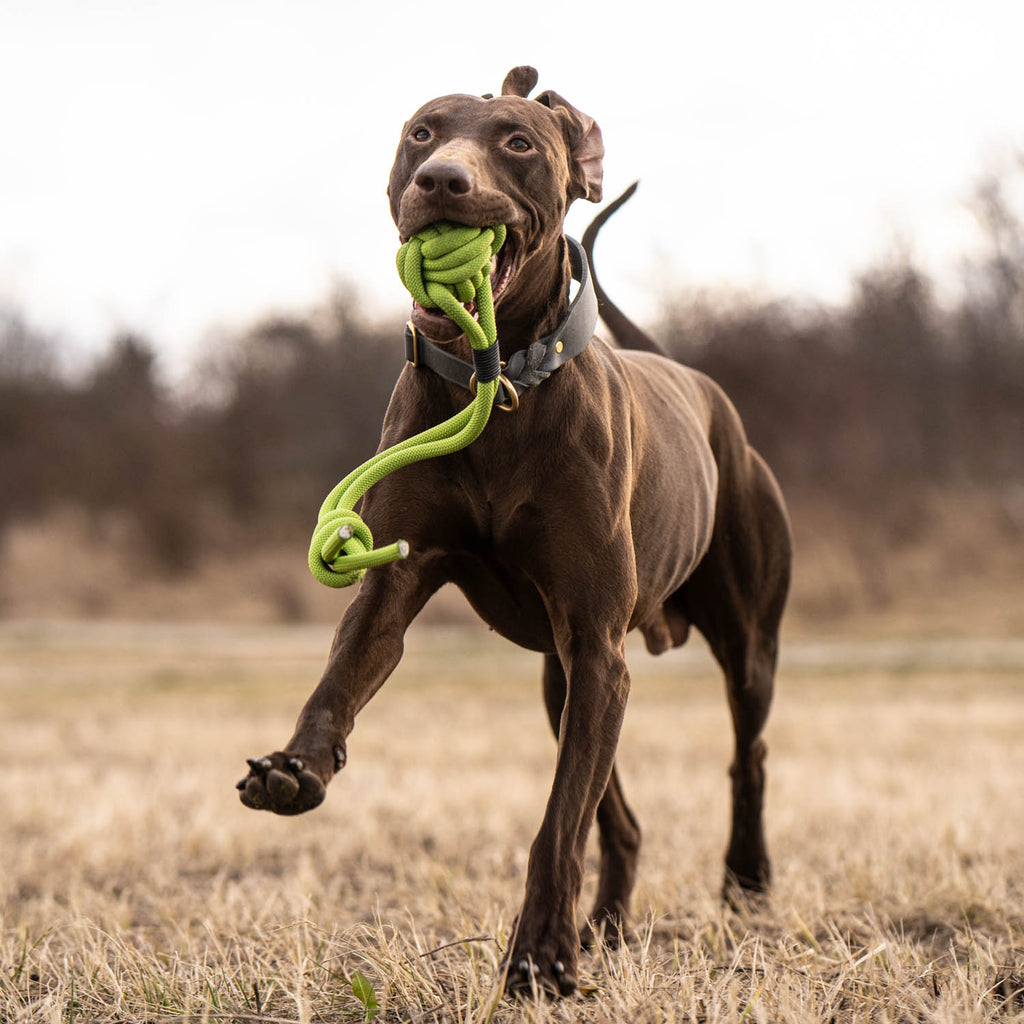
(528, 366)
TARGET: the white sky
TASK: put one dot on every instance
(174, 165)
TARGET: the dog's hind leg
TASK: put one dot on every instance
(618, 831)
(736, 598)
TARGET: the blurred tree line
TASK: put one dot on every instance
(893, 392)
(275, 417)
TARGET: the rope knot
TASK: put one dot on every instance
(446, 265)
(339, 532)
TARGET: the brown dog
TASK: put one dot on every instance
(621, 494)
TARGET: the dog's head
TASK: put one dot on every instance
(495, 160)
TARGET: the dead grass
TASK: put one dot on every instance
(134, 887)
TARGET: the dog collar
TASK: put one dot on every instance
(529, 366)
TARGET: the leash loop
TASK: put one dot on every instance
(444, 266)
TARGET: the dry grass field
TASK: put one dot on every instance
(134, 887)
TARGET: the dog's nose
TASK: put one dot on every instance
(442, 179)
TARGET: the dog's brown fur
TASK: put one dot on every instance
(622, 494)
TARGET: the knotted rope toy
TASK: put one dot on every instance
(443, 266)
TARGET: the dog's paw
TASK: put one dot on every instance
(543, 963)
(283, 783)
(527, 978)
(606, 927)
(746, 894)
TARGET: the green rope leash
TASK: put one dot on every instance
(443, 266)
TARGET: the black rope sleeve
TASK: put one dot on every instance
(487, 363)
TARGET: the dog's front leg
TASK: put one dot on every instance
(545, 949)
(367, 646)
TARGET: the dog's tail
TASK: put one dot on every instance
(624, 331)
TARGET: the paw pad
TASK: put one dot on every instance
(281, 783)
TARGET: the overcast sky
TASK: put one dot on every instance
(172, 167)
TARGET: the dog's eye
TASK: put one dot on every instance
(421, 134)
(518, 144)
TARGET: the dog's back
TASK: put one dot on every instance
(751, 527)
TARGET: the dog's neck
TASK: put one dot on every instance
(538, 305)
(541, 301)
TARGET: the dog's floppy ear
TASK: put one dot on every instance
(585, 146)
(519, 81)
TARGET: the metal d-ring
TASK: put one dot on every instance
(513, 395)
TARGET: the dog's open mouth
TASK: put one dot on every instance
(436, 325)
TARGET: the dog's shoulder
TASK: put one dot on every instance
(652, 375)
